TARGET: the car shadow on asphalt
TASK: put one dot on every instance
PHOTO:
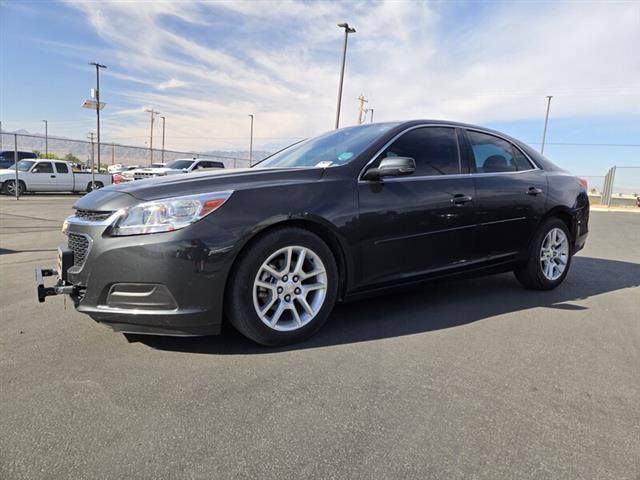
(428, 307)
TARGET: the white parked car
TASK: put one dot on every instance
(127, 175)
(181, 165)
(49, 176)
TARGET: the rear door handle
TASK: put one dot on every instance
(53, 176)
(460, 199)
(533, 191)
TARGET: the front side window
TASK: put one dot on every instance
(62, 167)
(43, 167)
(435, 150)
(492, 154)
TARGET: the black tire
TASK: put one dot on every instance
(8, 185)
(530, 274)
(90, 186)
(239, 307)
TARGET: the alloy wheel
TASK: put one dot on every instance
(290, 288)
(554, 254)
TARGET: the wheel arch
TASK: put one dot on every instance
(566, 215)
(318, 226)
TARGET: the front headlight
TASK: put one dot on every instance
(168, 214)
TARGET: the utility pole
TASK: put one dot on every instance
(93, 170)
(546, 121)
(113, 147)
(0, 135)
(46, 138)
(251, 141)
(371, 110)
(163, 120)
(152, 112)
(347, 31)
(98, 67)
(361, 109)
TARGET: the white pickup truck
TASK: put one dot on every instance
(49, 176)
(181, 165)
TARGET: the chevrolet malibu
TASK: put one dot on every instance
(348, 213)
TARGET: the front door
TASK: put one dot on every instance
(423, 222)
(41, 178)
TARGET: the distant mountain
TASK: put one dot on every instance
(116, 153)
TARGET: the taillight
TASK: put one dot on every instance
(584, 183)
(117, 178)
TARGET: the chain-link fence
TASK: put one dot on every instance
(620, 187)
(82, 151)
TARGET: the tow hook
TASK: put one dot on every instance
(60, 288)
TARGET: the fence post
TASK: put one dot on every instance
(15, 164)
(611, 183)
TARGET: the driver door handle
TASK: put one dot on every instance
(53, 176)
(461, 199)
(533, 191)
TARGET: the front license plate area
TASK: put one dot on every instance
(65, 261)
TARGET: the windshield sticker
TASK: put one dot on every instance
(344, 156)
(324, 164)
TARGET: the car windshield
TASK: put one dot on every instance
(180, 164)
(23, 165)
(334, 148)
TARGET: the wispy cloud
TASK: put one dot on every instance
(211, 64)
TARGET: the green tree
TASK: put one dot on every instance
(71, 158)
(49, 156)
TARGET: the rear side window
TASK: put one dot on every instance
(492, 154)
(62, 167)
(435, 150)
(43, 167)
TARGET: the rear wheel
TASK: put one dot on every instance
(283, 288)
(9, 187)
(549, 257)
(91, 186)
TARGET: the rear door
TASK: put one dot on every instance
(42, 177)
(511, 194)
(422, 222)
(64, 177)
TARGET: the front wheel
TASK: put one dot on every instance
(9, 187)
(283, 288)
(549, 257)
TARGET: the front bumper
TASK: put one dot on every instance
(165, 284)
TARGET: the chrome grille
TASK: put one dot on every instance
(93, 215)
(79, 245)
(142, 175)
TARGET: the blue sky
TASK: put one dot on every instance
(206, 66)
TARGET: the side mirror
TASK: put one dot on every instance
(391, 167)
(35, 170)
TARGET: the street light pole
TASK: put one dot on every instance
(347, 31)
(251, 141)
(152, 112)
(93, 169)
(46, 139)
(163, 120)
(98, 67)
(371, 114)
(546, 121)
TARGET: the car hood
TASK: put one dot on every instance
(154, 170)
(6, 171)
(123, 195)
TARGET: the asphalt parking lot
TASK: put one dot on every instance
(464, 379)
